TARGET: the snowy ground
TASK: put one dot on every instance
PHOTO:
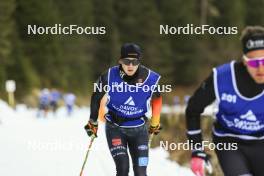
(56, 146)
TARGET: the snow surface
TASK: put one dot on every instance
(56, 146)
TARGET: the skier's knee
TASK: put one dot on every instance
(140, 171)
(122, 170)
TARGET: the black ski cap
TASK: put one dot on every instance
(131, 50)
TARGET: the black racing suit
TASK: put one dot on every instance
(119, 139)
(249, 157)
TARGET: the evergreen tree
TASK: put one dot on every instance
(106, 48)
(184, 47)
(254, 12)
(43, 51)
(7, 8)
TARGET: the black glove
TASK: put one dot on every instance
(155, 129)
(91, 128)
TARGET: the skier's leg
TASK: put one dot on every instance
(255, 155)
(40, 110)
(117, 144)
(46, 110)
(138, 148)
(69, 110)
(233, 162)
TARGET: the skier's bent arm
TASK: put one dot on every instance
(201, 98)
(95, 105)
(97, 97)
(156, 110)
(92, 126)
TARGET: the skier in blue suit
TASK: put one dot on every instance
(238, 89)
(131, 95)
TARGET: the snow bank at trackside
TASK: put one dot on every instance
(56, 146)
(6, 112)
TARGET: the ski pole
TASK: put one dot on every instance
(150, 139)
(87, 153)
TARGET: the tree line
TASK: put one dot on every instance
(73, 62)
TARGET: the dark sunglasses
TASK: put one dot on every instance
(254, 62)
(127, 61)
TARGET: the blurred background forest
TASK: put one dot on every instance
(73, 62)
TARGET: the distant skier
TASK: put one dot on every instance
(44, 101)
(69, 100)
(176, 101)
(128, 110)
(186, 99)
(55, 96)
